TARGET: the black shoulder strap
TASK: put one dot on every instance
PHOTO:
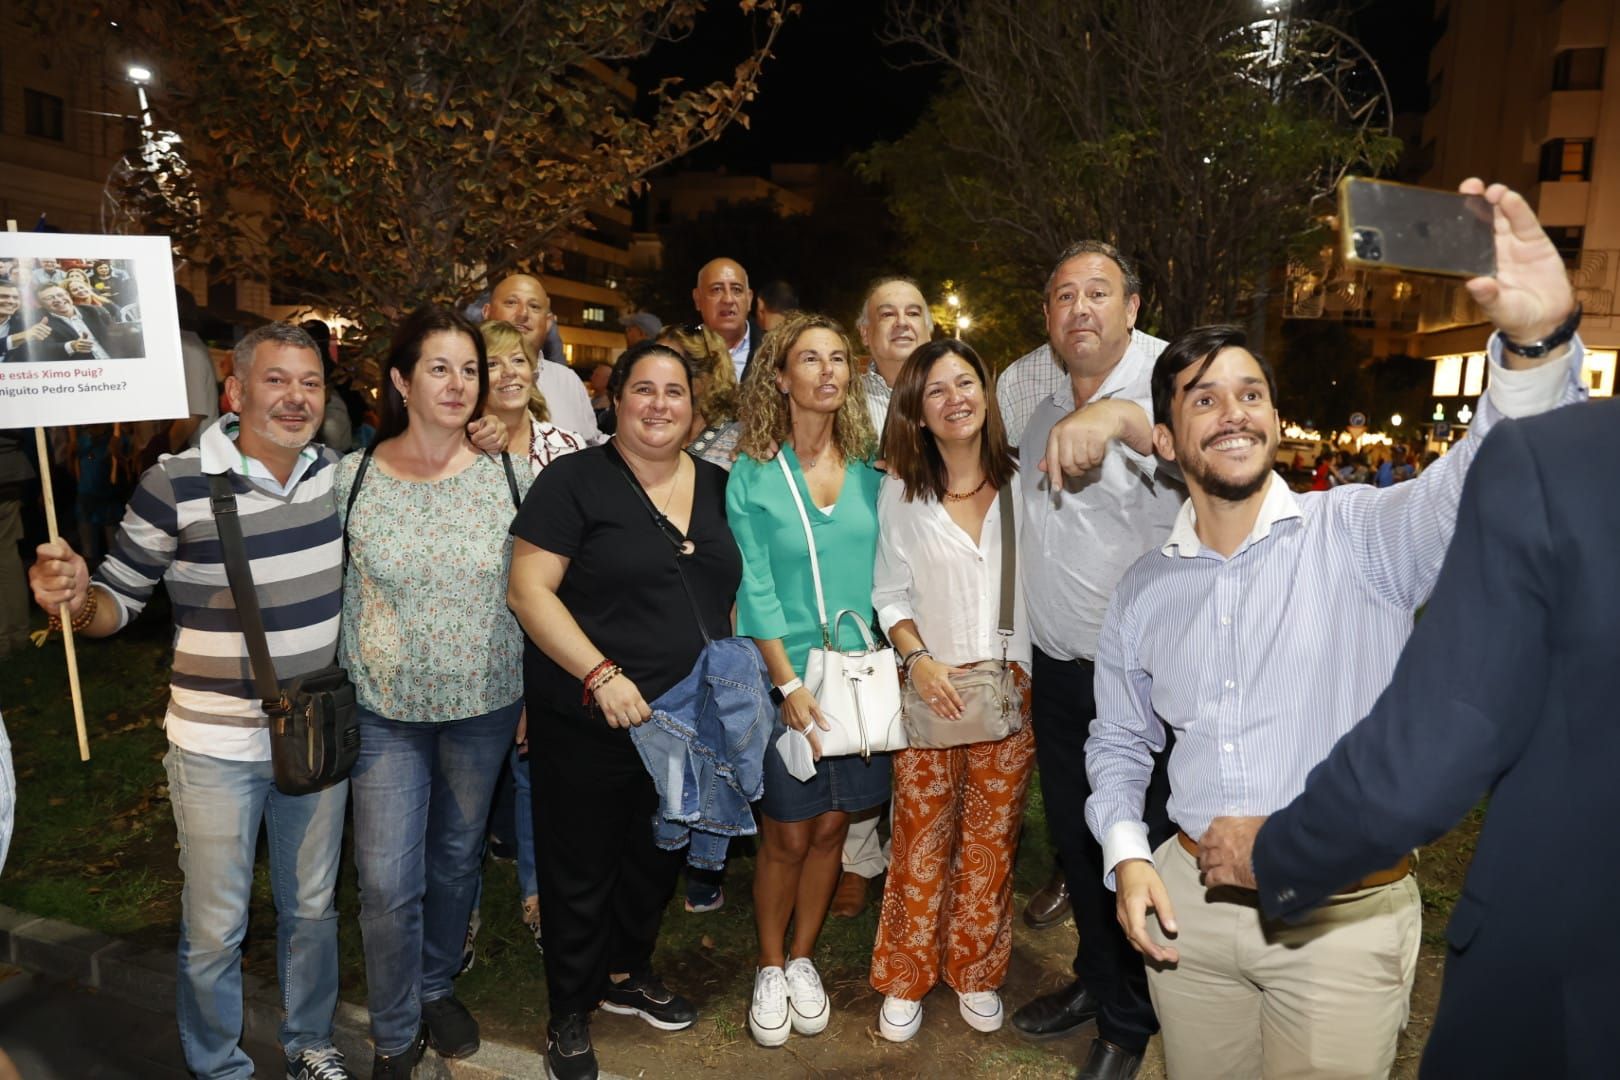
(240, 575)
(665, 528)
(511, 481)
(354, 493)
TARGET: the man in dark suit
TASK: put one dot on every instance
(724, 300)
(1508, 688)
(77, 333)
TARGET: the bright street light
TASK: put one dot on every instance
(963, 322)
(139, 75)
(1395, 420)
(953, 300)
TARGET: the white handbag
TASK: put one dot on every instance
(858, 691)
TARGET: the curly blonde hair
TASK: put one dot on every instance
(711, 360)
(499, 336)
(765, 412)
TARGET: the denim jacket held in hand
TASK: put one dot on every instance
(705, 748)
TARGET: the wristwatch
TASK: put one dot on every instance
(780, 694)
(1557, 338)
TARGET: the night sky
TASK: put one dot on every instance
(833, 88)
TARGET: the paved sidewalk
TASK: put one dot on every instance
(78, 1005)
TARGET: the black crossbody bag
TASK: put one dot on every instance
(314, 728)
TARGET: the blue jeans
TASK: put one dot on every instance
(523, 827)
(421, 800)
(218, 806)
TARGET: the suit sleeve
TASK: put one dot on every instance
(1464, 699)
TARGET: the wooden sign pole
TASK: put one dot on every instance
(43, 446)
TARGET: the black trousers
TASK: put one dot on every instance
(604, 884)
(1062, 708)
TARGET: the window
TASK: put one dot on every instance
(595, 315)
(1568, 239)
(42, 115)
(1578, 69)
(1566, 159)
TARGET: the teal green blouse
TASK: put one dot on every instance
(777, 598)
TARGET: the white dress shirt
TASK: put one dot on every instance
(568, 400)
(739, 351)
(1078, 542)
(1262, 660)
(930, 571)
(878, 394)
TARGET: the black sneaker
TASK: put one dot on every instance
(451, 1029)
(647, 997)
(569, 1053)
(399, 1066)
(323, 1064)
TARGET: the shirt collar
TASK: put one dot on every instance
(1279, 504)
(1127, 373)
(220, 455)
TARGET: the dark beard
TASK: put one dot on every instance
(1219, 487)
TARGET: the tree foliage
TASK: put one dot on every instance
(371, 156)
(1180, 130)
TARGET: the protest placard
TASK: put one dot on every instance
(88, 330)
(89, 334)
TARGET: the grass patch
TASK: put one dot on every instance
(95, 845)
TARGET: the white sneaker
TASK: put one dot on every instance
(768, 1014)
(981, 1009)
(807, 1001)
(899, 1019)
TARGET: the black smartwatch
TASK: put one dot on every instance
(1554, 340)
(779, 693)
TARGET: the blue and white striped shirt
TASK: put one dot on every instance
(295, 551)
(1261, 661)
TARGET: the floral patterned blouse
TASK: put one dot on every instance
(426, 633)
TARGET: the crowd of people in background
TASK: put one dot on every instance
(613, 589)
(68, 309)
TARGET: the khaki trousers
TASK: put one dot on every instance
(1250, 997)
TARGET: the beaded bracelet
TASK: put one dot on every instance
(53, 622)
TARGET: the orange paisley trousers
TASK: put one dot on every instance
(949, 893)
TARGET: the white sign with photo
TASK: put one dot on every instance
(88, 330)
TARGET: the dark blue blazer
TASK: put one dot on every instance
(1510, 687)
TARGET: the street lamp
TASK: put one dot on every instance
(953, 300)
(962, 323)
(1395, 420)
(139, 75)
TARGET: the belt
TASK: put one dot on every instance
(1375, 880)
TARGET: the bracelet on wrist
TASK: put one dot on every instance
(912, 657)
(1559, 337)
(596, 678)
(86, 615)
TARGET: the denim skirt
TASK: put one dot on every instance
(841, 783)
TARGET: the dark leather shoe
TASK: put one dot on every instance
(1109, 1062)
(1050, 905)
(1060, 1013)
(451, 1029)
(399, 1066)
(850, 899)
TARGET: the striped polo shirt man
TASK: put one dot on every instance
(295, 548)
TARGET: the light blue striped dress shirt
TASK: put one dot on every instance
(1261, 661)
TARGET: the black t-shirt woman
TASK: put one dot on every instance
(596, 587)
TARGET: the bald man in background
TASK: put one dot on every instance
(522, 301)
(723, 300)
